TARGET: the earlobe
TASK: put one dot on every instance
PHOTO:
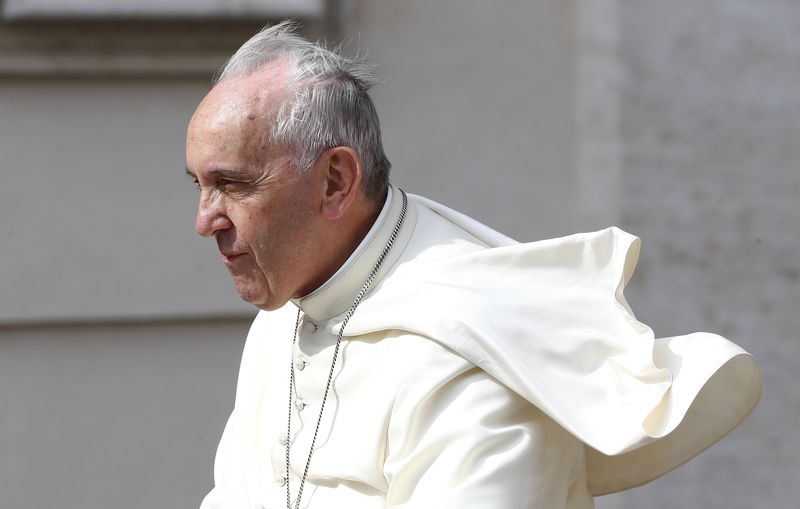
(341, 171)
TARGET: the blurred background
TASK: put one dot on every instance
(120, 333)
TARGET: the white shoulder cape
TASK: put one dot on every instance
(548, 319)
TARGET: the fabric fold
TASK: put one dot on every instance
(560, 334)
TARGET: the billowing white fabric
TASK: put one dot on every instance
(475, 377)
(561, 335)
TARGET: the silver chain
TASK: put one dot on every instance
(353, 306)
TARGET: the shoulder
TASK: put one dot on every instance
(429, 378)
(410, 362)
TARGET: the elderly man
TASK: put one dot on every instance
(406, 355)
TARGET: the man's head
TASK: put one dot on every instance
(286, 152)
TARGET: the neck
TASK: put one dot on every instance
(342, 239)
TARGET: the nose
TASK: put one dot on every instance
(211, 217)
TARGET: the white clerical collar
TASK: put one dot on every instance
(336, 295)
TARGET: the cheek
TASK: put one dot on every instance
(263, 238)
(249, 224)
(277, 233)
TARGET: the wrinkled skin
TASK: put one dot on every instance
(252, 201)
(281, 232)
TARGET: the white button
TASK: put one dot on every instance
(300, 364)
(283, 440)
(309, 327)
(300, 404)
(281, 481)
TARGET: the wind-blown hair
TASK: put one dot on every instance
(330, 105)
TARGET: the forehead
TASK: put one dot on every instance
(240, 99)
(232, 120)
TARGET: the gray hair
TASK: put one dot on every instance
(330, 107)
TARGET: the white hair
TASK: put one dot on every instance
(330, 105)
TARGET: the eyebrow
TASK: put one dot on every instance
(225, 173)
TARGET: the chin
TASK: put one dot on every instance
(260, 298)
(270, 304)
(268, 307)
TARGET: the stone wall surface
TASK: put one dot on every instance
(477, 108)
(96, 212)
(119, 415)
(711, 181)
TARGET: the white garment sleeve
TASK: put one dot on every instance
(216, 498)
(459, 439)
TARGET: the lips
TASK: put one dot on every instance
(230, 258)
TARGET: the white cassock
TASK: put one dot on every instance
(476, 373)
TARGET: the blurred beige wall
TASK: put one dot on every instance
(709, 112)
(120, 332)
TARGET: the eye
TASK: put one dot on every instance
(193, 179)
(224, 184)
(229, 186)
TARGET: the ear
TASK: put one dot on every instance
(340, 171)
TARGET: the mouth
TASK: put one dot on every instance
(230, 258)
